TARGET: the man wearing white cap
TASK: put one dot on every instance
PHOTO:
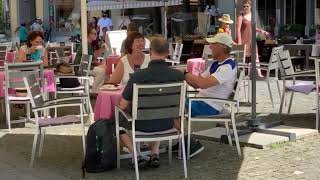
(37, 25)
(218, 80)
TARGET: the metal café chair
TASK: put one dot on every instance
(42, 122)
(150, 102)
(175, 54)
(83, 89)
(14, 72)
(227, 116)
(287, 72)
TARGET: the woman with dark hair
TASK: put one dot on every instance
(34, 48)
(94, 23)
(133, 60)
(97, 68)
(244, 31)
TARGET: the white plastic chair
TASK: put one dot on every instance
(317, 67)
(14, 72)
(287, 72)
(42, 122)
(83, 89)
(175, 55)
(226, 115)
(158, 101)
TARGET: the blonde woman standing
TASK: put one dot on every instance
(244, 31)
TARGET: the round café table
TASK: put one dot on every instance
(196, 66)
(111, 60)
(106, 102)
(48, 75)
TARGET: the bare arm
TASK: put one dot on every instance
(117, 75)
(239, 24)
(262, 31)
(124, 104)
(22, 55)
(201, 82)
(45, 58)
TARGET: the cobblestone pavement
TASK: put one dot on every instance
(62, 152)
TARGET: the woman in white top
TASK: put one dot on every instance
(134, 60)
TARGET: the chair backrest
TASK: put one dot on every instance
(55, 53)
(8, 44)
(16, 71)
(315, 50)
(158, 101)
(239, 52)
(273, 62)
(3, 54)
(285, 63)
(85, 65)
(67, 50)
(206, 52)
(235, 92)
(175, 51)
(34, 91)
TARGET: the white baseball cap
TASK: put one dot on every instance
(222, 38)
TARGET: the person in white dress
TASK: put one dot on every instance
(134, 60)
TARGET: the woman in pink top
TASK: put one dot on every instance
(244, 31)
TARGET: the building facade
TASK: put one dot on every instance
(273, 14)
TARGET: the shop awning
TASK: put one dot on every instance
(128, 4)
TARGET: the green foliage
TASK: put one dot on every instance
(292, 30)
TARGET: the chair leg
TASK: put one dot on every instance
(135, 158)
(34, 147)
(290, 102)
(228, 133)
(189, 137)
(170, 151)
(270, 92)
(83, 133)
(118, 140)
(235, 132)
(42, 134)
(249, 90)
(278, 86)
(282, 100)
(55, 109)
(28, 112)
(245, 90)
(8, 116)
(184, 157)
(317, 111)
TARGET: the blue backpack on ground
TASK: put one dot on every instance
(101, 149)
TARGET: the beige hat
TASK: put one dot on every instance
(226, 19)
(222, 38)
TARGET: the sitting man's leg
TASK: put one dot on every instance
(154, 158)
(197, 108)
(99, 77)
(201, 108)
